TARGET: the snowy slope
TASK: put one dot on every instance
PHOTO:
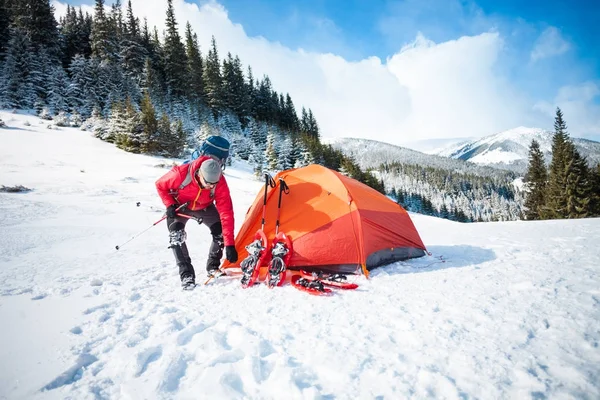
(511, 148)
(512, 312)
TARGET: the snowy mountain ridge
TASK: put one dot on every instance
(372, 153)
(510, 149)
(507, 150)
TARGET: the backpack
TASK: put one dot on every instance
(215, 146)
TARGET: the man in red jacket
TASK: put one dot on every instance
(201, 186)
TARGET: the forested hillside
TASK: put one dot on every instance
(149, 92)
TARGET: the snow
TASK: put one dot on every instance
(495, 156)
(499, 310)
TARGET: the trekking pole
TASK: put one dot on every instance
(268, 182)
(256, 249)
(281, 250)
(156, 223)
(283, 188)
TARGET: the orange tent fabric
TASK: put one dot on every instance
(336, 223)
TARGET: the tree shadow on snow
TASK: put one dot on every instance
(442, 257)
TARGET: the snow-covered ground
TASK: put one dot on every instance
(513, 312)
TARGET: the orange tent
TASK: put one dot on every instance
(336, 223)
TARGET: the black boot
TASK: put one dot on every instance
(216, 250)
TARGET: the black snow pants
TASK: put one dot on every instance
(209, 217)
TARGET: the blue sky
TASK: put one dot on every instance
(363, 28)
(420, 68)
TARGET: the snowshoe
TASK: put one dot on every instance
(251, 265)
(314, 287)
(334, 280)
(281, 253)
(188, 283)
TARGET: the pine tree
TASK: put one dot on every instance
(80, 92)
(250, 93)
(271, 151)
(578, 189)
(36, 19)
(149, 124)
(85, 23)
(100, 37)
(130, 136)
(213, 81)
(556, 203)
(175, 58)
(595, 191)
(536, 180)
(133, 54)
(163, 133)
(17, 74)
(312, 126)
(69, 35)
(195, 66)
(58, 90)
(4, 28)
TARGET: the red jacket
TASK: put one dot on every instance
(198, 198)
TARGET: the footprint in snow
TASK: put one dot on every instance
(39, 296)
(173, 374)
(234, 382)
(76, 330)
(72, 374)
(135, 297)
(229, 357)
(96, 282)
(186, 336)
(96, 308)
(147, 357)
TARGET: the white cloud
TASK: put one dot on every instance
(549, 44)
(425, 91)
(453, 88)
(581, 112)
(60, 9)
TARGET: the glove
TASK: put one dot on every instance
(172, 211)
(231, 254)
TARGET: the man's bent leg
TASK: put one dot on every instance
(177, 237)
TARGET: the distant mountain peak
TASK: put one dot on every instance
(510, 149)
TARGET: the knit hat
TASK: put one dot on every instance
(211, 171)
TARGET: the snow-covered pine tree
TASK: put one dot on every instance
(58, 90)
(18, 71)
(133, 54)
(285, 154)
(229, 124)
(271, 151)
(79, 94)
(116, 126)
(131, 137)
